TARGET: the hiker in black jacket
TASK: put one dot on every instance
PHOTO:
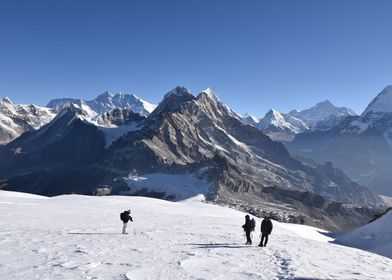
(247, 228)
(266, 229)
(126, 217)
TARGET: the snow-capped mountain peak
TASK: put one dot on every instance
(382, 103)
(146, 105)
(325, 104)
(107, 102)
(281, 126)
(172, 100)
(376, 116)
(104, 97)
(6, 100)
(210, 93)
(178, 91)
(249, 119)
(322, 112)
(15, 119)
(274, 118)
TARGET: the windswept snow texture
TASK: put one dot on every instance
(78, 237)
(171, 186)
(375, 237)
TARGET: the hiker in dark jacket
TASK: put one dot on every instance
(126, 217)
(247, 228)
(266, 229)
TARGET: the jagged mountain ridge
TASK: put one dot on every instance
(186, 135)
(16, 119)
(283, 127)
(108, 102)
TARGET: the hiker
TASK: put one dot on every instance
(266, 229)
(125, 217)
(247, 228)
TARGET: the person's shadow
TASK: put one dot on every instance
(94, 233)
(218, 245)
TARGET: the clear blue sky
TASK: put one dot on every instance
(254, 54)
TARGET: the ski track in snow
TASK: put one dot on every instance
(78, 237)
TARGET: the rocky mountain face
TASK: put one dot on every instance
(361, 146)
(107, 102)
(118, 117)
(188, 135)
(16, 119)
(53, 159)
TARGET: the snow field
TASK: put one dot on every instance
(78, 237)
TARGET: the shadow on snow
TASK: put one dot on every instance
(218, 245)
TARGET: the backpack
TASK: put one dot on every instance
(252, 225)
(122, 216)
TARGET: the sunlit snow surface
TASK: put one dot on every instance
(78, 237)
(174, 186)
(375, 237)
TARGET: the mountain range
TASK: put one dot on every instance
(283, 127)
(360, 145)
(16, 119)
(187, 138)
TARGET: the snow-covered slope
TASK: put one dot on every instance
(249, 119)
(375, 237)
(322, 112)
(382, 103)
(16, 119)
(107, 102)
(185, 135)
(245, 118)
(78, 237)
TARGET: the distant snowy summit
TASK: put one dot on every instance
(17, 118)
(107, 102)
(321, 113)
(283, 127)
(360, 145)
(377, 116)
